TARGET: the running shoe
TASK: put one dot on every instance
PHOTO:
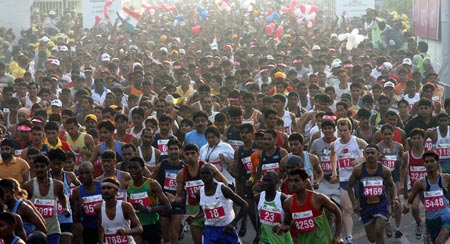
(243, 230)
(398, 234)
(388, 229)
(427, 239)
(419, 230)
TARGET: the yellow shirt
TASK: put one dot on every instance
(13, 169)
(185, 94)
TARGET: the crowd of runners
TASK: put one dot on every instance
(111, 135)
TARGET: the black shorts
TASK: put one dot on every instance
(90, 236)
(152, 233)
(66, 228)
(177, 208)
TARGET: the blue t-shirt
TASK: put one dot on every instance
(196, 138)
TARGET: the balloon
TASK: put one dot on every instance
(163, 38)
(270, 28)
(279, 32)
(285, 10)
(269, 12)
(195, 29)
(97, 19)
(256, 13)
(179, 17)
(292, 4)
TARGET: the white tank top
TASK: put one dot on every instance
(413, 100)
(346, 154)
(112, 225)
(217, 208)
(29, 103)
(152, 161)
(275, 206)
(287, 122)
(443, 143)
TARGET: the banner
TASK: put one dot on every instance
(95, 8)
(353, 8)
(426, 18)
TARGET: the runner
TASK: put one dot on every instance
(305, 211)
(148, 199)
(117, 221)
(434, 187)
(46, 203)
(82, 143)
(269, 204)
(440, 136)
(412, 162)
(8, 223)
(166, 173)
(162, 137)
(85, 197)
(10, 165)
(109, 168)
(189, 182)
(345, 153)
(216, 202)
(146, 151)
(373, 207)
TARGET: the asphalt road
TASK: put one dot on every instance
(408, 227)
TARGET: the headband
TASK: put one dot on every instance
(110, 185)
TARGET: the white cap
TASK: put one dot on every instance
(181, 51)
(389, 84)
(315, 47)
(333, 35)
(387, 65)
(55, 62)
(163, 49)
(336, 63)
(214, 46)
(56, 103)
(51, 12)
(106, 57)
(270, 57)
(55, 48)
(407, 61)
(63, 49)
(136, 65)
(45, 39)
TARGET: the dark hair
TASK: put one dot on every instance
(108, 154)
(41, 159)
(271, 132)
(8, 218)
(417, 131)
(247, 126)
(432, 154)
(296, 137)
(72, 121)
(139, 160)
(387, 127)
(70, 155)
(200, 114)
(107, 125)
(57, 153)
(424, 102)
(128, 145)
(298, 171)
(364, 113)
(212, 129)
(173, 142)
(51, 126)
(280, 97)
(138, 111)
(165, 118)
(190, 147)
(235, 111)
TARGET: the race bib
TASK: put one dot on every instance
(235, 144)
(46, 207)
(270, 215)
(18, 153)
(78, 158)
(326, 164)
(214, 213)
(274, 167)
(373, 187)
(428, 144)
(192, 187)
(162, 146)
(304, 221)
(170, 182)
(141, 198)
(416, 173)
(121, 195)
(247, 162)
(443, 150)
(389, 161)
(112, 237)
(89, 203)
(433, 200)
(345, 163)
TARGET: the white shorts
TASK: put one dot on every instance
(330, 190)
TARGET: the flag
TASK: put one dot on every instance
(129, 18)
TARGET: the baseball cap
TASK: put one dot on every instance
(315, 47)
(280, 74)
(294, 160)
(182, 51)
(63, 49)
(386, 65)
(45, 39)
(407, 61)
(389, 84)
(336, 64)
(51, 12)
(91, 116)
(56, 103)
(163, 49)
(55, 48)
(106, 57)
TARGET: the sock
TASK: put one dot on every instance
(397, 228)
(349, 238)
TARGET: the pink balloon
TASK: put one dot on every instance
(279, 32)
(269, 12)
(270, 28)
(303, 8)
(314, 9)
(195, 29)
(285, 10)
(293, 4)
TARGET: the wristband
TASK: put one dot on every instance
(251, 179)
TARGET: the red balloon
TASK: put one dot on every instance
(97, 19)
(195, 29)
(270, 28)
(314, 9)
(303, 8)
(279, 32)
(293, 4)
(285, 10)
(269, 12)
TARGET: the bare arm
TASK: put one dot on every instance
(135, 224)
(180, 187)
(318, 173)
(228, 193)
(163, 202)
(403, 170)
(95, 154)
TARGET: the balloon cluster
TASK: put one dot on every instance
(203, 14)
(272, 30)
(403, 18)
(353, 39)
(223, 5)
(307, 12)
